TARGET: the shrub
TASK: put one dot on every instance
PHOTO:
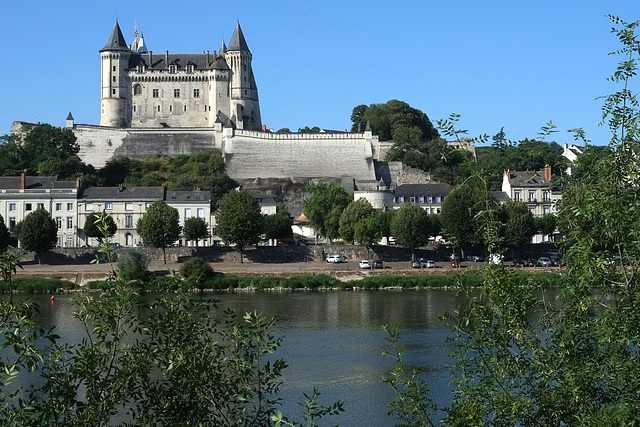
(133, 265)
(37, 284)
(197, 272)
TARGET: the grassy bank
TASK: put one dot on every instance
(31, 285)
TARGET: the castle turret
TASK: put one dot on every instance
(245, 108)
(219, 90)
(115, 91)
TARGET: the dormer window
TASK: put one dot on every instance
(173, 68)
(141, 68)
(189, 68)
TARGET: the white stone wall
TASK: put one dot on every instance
(377, 198)
(252, 154)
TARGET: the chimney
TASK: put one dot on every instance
(150, 59)
(264, 128)
(164, 192)
(120, 187)
(547, 172)
(23, 180)
(79, 182)
(166, 58)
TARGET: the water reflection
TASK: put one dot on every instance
(333, 341)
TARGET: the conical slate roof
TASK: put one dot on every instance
(237, 40)
(116, 40)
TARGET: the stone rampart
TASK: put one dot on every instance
(250, 154)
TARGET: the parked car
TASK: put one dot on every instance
(378, 264)
(335, 258)
(416, 264)
(454, 263)
(544, 261)
(364, 264)
(517, 262)
(454, 257)
(430, 263)
(530, 262)
(476, 258)
(556, 261)
(116, 245)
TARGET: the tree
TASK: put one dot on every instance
(239, 220)
(91, 229)
(283, 130)
(383, 220)
(410, 227)
(278, 225)
(546, 225)
(459, 214)
(195, 228)
(324, 207)
(160, 227)
(5, 235)
(355, 212)
(307, 129)
(37, 231)
(518, 224)
(367, 232)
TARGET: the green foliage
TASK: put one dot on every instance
(518, 225)
(396, 121)
(368, 232)
(91, 226)
(283, 130)
(546, 224)
(5, 235)
(307, 129)
(460, 213)
(37, 231)
(29, 285)
(195, 228)
(133, 264)
(324, 207)
(278, 225)
(204, 171)
(160, 226)
(240, 221)
(356, 211)
(313, 412)
(196, 271)
(410, 227)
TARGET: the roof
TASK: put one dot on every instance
(188, 196)
(35, 183)
(533, 179)
(237, 40)
(155, 61)
(220, 64)
(116, 40)
(432, 189)
(500, 196)
(123, 193)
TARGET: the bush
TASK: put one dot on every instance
(30, 285)
(197, 272)
(133, 265)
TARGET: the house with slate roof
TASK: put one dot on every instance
(535, 188)
(143, 89)
(70, 204)
(428, 196)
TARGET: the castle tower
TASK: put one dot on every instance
(115, 93)
(219, 89)
(244, 107)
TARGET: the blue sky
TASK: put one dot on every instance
(516, 64)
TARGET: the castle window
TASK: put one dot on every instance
(114, 68)
(245, 68)
(245, 92)
(176, 93)
(114, 78)
(170, 108)
(189, 68)
(173, 68)
(134, 108)
(158, 108)
(113, 91)
(196, 93)
(156, 93)
(137, 90)
(185, 108)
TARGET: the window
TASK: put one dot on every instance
(128, 221)
(187, 213)
(516, 196)
(412, 199)
(156, 93)
(27, 206)
(137, 90)
(69, 242)
(69, 206)
(12, 206)
(108, 205)
(170, 108)
(532, 196)
(532, 210)
(176, 93)
(114, 68)
(128, 206)
(114, 79)
(113, 91)
(58, 206)
(59, 222)
(546, 211)
(196, 93)
(421, 199)
(12, 223)
(134, 108)
(69, 222)
(88, 206)
(200, 213)
(40, 205)
(438, 199)
(545, 196)
(158, 108)
(400, 199)
(429, 199)
(59, 242)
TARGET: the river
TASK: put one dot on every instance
(333, 341)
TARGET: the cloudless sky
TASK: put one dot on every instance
(510, 63)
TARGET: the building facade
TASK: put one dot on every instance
(69, 204)
(143, 89)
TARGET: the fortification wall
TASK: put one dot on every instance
(252, 154)
(100, 144)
